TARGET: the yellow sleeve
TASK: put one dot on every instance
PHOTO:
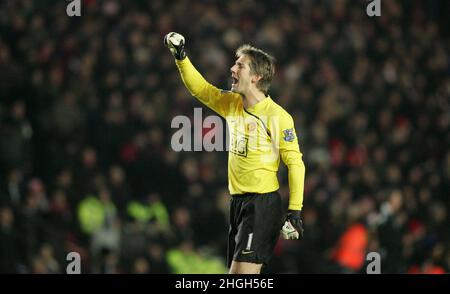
(222, 102)
(292, 157)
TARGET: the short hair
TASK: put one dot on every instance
(261, 63)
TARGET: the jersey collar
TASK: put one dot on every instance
(260, 105)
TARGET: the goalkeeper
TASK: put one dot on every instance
(261, 132)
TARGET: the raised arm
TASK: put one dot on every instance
(222, 102)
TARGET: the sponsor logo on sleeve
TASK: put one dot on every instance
(289, 135)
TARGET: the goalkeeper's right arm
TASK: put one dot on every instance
(218, 100)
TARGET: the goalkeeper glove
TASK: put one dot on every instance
(293, 225)
(175, 43)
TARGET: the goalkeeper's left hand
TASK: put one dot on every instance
(293, 225)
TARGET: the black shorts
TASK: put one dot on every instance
(255, 224)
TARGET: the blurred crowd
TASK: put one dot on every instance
(86, 105)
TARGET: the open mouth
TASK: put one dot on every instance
(234, 81)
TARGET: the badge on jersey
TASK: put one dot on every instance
(251, 126)
(289, 135)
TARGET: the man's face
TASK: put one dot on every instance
(242, 80)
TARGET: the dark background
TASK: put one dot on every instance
(86, 105)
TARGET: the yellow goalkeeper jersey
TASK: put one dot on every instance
(258, 137)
